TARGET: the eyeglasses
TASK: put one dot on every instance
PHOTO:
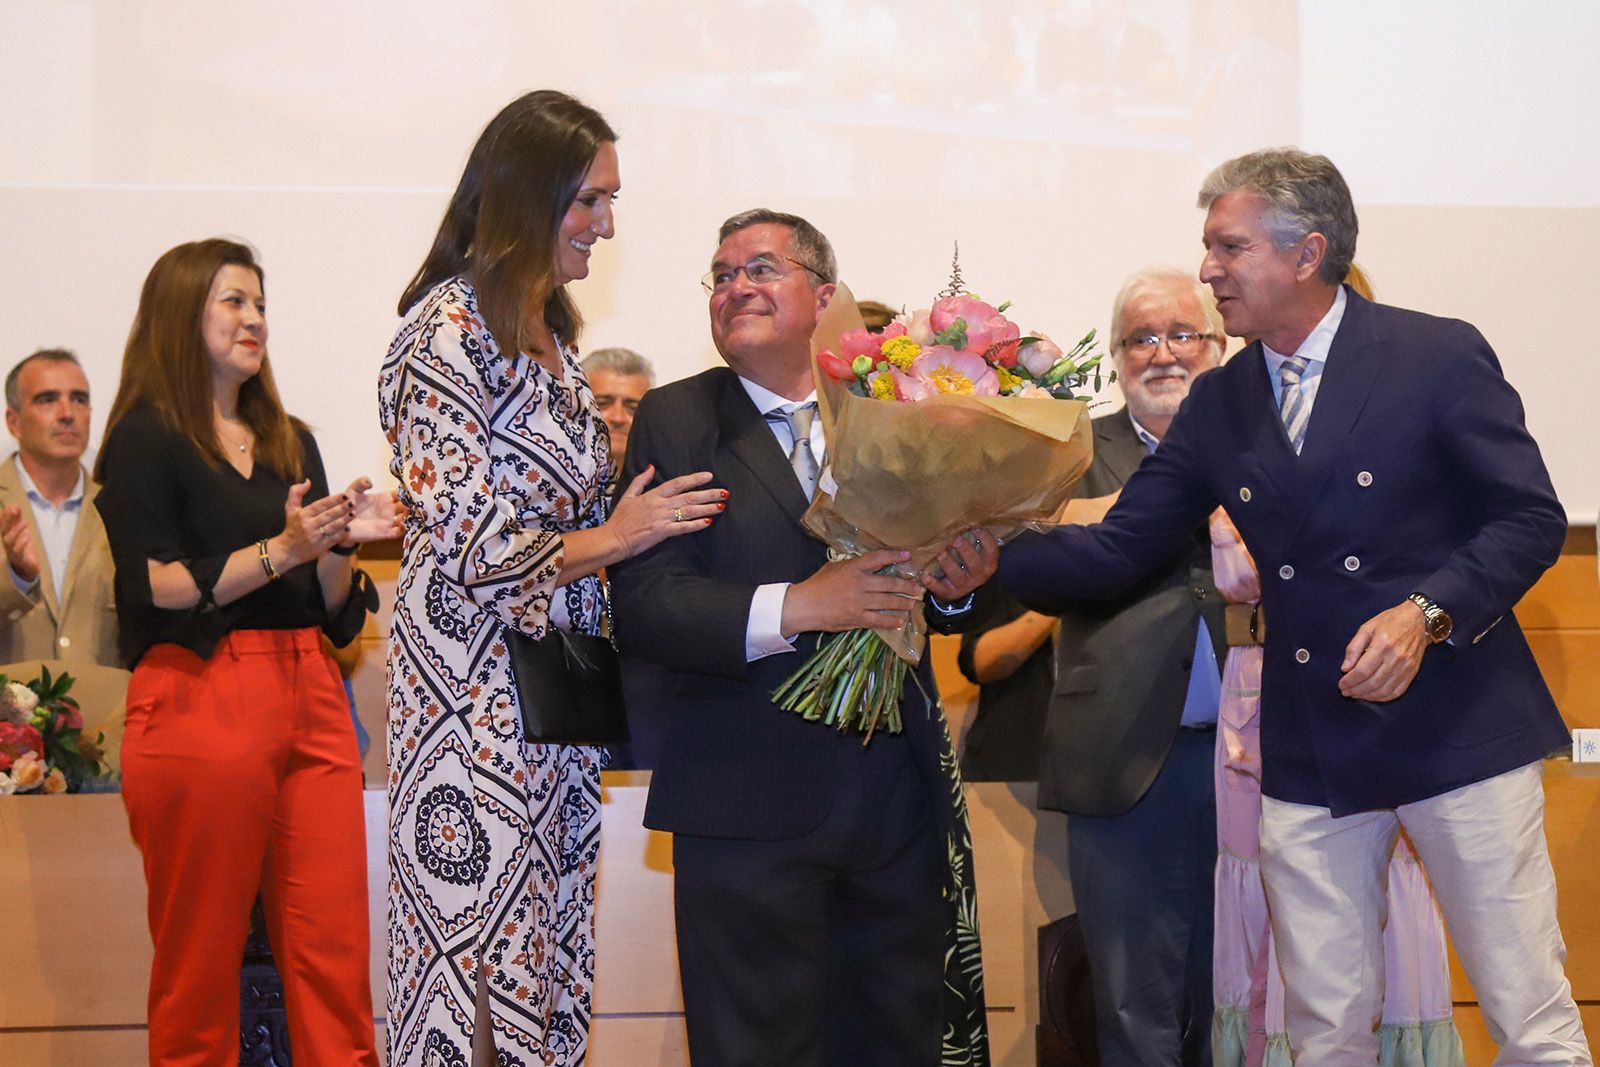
(1181, 343)
(760, 271)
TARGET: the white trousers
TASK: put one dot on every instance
(1484, 849)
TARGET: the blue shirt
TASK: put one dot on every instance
(57, 525)
(1204, 698)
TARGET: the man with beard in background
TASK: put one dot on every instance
(1131, 725)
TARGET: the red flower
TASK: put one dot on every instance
(16, 740)
(835, 366)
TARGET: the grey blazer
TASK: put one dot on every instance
(1122, 666)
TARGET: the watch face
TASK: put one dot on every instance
(1439, 625)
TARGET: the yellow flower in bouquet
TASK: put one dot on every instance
(988, 429)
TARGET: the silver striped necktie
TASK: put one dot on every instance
(1293, 407)
(801, 458)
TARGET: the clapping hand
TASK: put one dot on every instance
(18, 542)
(309, 530)
(376, 516)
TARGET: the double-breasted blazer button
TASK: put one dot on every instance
(1364, 479)
(1286, 572)
(1351, 563)
(1244, 493)
(1302, 656)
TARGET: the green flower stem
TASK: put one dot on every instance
(854, 681)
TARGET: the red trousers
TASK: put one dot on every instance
(240, 773)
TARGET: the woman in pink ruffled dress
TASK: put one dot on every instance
(1247, 1027)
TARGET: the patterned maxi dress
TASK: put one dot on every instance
(492, 842)
(1247, 1027)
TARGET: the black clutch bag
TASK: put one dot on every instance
(569, 687)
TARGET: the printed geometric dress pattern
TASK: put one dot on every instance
(492, 842)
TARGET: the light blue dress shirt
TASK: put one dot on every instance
(1204, 698)
(57, 526)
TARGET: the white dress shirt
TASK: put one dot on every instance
(1314, 350)
(763, 634)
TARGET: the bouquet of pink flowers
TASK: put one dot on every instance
(989, 430)
(959, 347)
(42, 747)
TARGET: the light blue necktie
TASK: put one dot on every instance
(1292, 405)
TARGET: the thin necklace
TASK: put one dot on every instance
(242, 445)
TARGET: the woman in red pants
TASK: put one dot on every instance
(240, 771)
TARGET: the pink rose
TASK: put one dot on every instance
(947, 309)
(74, 713)
(986, 327)
(1039, 357)
(995, 341)
(920, 328)
(18, 741)
(27, 771)
(859, 343)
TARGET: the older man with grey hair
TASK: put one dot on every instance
(1377, 464)
(619, 378)
(1131, 725)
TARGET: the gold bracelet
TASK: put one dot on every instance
(266, 561)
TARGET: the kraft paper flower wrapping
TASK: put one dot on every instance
(914, 475)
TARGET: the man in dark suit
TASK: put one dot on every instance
(809, 869)
(1377, 464)
(1129, 738)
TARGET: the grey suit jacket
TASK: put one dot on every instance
(76, 622)
(1122, 666)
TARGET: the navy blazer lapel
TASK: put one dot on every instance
(746, 433)
(1354, 362)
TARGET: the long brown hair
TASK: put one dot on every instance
(166, 364)
(501, 227)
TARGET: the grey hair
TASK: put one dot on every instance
(624, 361)
(1307, 195)
(1147, 280)
(50, 355)
(806, 242)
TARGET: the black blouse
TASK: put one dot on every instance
(162, 500)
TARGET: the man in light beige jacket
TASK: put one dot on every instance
(56, 599)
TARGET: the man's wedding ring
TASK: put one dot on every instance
(677, 514)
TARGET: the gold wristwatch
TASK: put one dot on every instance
(1436, 621)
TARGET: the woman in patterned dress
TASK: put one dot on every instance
(502, 461)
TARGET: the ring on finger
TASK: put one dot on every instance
(677, 514)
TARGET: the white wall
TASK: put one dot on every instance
(1060, 141)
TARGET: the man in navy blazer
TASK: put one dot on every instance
(1377, 464)
(809, 870)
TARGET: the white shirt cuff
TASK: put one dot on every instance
(763, 634)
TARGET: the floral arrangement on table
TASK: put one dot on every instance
(42, 745)
(990, 429)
